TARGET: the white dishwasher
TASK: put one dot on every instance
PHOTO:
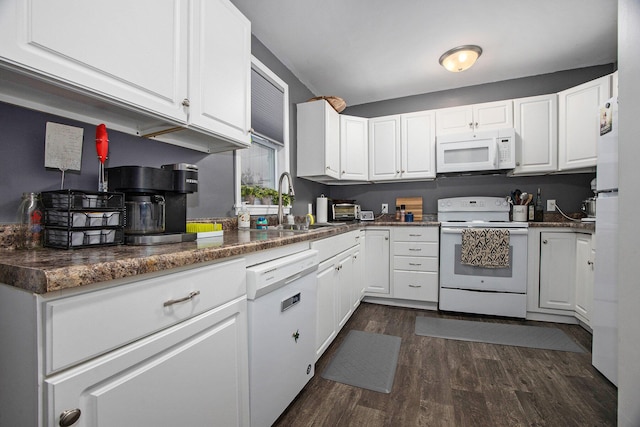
(282, 328)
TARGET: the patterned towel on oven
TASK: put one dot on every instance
(485, 247)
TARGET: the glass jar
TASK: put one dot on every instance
(30, 219)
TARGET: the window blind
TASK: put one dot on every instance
(267, 108)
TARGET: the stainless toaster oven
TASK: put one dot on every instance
(345, 212)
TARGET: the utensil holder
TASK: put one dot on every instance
(520, 213)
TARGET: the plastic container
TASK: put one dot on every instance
(244, 217)
(261, 223)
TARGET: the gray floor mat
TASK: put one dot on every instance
(365, 360)
(497, 333)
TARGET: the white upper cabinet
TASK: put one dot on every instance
(402, 147)
(354, 148)
(220, 83)
(418, 145)
(384, 148)
(318, 141)
(471, 118)
(536, 125)
(96, 62)
(101, 47)
(578, 124)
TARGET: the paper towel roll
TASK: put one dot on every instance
(321, 209)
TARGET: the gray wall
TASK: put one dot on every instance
(568, 190)
(22, 157)
(628, 248)
(22, 152)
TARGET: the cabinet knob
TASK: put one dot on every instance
(397, 171)
(69, 417)
(544, 241)
(476, 124)
(328, 168)
(470, 125)
(343, 172)
(403, 171)
(517, 163)
(185, 102)
(589, 262)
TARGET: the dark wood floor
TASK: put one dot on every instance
(443, 382)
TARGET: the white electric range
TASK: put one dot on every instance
(499, 291)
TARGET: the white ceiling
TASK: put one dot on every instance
(371, 50)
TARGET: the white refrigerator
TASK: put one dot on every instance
(604, 321)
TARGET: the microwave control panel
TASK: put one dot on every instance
(506, 155)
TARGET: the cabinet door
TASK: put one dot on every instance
(493, 115)
(536, 125)
(578, 125)
(384, 148)
(557, 272)
(220, 70)
(195, 373)
(358, 271)
(584, 277)
(326, 306)
(346, 273)
(377, 273)
(103, 48)
(418, 147)
(454, 120)
(318, 140)
(354, 148)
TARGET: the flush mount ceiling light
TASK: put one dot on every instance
(460, 58)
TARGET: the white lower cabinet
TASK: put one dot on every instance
(359, 257)
(336, 275)
(557, 275)
(415, 263)
(164, 351)
(560, 275)
(377, 273)
(585, 256)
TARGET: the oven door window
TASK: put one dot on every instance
(455, 275)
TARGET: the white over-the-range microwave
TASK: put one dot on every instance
(476, 151)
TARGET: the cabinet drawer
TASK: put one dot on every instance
(84, 326)
(415, 234)
(415, 263)
(414, 285)
(416, 249)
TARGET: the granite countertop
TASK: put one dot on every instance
(48, 270)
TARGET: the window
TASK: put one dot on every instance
(268, 156)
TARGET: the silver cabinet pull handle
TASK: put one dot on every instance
(414, 264)
(191, 295)
(415, 286)
(69, 417)
(415, 235)
(415, 249)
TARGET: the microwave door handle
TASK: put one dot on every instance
(495, 153)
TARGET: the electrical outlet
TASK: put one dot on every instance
(551, 205)
(385, 208)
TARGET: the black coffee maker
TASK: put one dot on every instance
(155, 201)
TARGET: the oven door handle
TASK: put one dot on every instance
(512, 232)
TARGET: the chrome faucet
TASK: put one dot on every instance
(291, 193)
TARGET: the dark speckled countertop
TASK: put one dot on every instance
(47, 270)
